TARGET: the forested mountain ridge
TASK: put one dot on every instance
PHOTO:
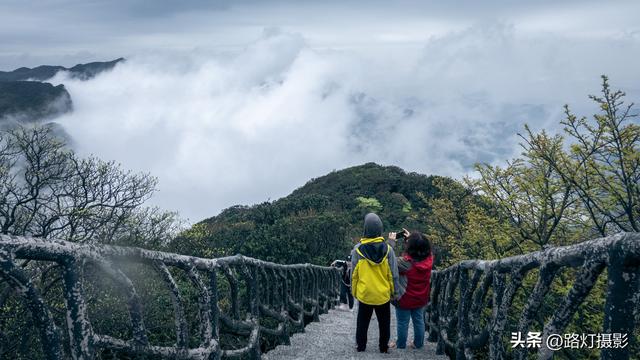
(25, 97)
(319, 221)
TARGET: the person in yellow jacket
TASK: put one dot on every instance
(374, 281)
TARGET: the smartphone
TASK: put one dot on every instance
(400, 234)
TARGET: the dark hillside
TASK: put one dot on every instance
(32, 100)
(24, 97)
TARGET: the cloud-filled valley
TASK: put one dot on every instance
(241, 126)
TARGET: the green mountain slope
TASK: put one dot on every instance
(318, 222)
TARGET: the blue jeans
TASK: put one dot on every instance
(417, 317)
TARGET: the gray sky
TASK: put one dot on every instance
(242, 101)
(71, 31)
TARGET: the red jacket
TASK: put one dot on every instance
(418, 283)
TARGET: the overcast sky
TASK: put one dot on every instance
(237, 102)
(71, 31)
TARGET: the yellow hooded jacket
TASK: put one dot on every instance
(372, 280)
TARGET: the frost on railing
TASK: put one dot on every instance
(238, 298)
(458, 316)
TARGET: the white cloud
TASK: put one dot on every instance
(240, 127)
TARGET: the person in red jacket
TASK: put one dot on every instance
(415, 277)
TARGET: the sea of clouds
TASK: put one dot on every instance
(220, 128)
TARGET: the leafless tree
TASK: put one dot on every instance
(47, 191)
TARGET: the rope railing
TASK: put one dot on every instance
(286, 295)
(456, 316)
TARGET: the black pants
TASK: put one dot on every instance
(345, 295)
(384, 322)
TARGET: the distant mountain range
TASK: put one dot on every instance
(25, 97)
(46, 72)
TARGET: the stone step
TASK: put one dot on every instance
(333, 338)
